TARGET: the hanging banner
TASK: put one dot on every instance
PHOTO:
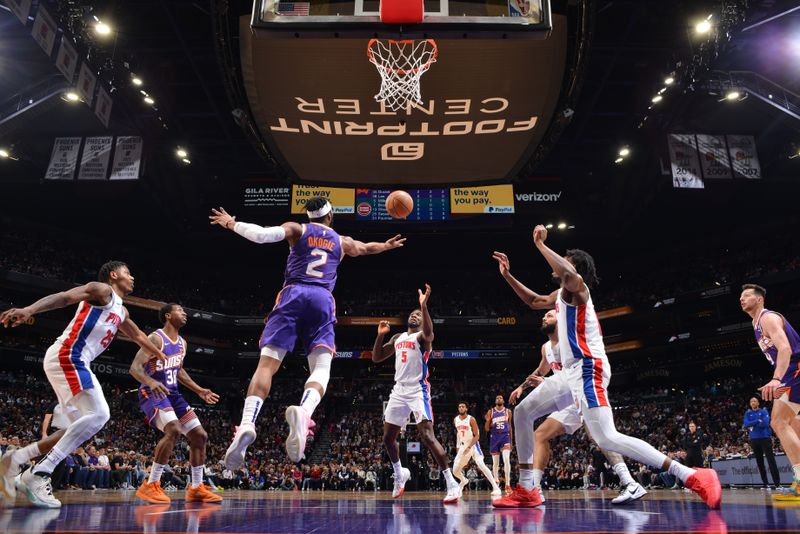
(86, 83)
(67, 58)
(127, 158)
(95, 158)
(685, 161)
(44, 30)
(342, 199)
(103, 106)
(488, 199)
(21, 8)
(744, 159)
(64, 158)
(714, 156)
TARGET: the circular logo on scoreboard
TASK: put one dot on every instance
(364, 209)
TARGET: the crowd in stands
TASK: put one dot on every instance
(350, 455)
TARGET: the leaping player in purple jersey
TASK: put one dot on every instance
(304, 308)
(780, 343)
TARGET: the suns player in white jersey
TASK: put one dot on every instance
(66, 364)
(469, 448)
(411, 393)
(583, 356)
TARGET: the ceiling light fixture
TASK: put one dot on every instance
(149, 100)
(656, 99)
(181, 153)
(136, 81)
(624, 151)
(669, 80)
(102, 28)
(562, 225)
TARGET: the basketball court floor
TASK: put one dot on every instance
(416, 513)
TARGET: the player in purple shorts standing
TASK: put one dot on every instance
(304, 309)
(498, 425)
(166, 410)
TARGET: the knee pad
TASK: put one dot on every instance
(319, 363)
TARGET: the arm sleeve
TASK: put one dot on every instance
(260, 234)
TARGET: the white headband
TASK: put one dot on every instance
(320, 213)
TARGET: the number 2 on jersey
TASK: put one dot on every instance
(311, 270)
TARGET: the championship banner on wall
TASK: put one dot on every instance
(103, 106)
(685, 161)
(744, 159)
(95, 158)
(67, 58)
(714, 156)
(127, 158)
(21, 8)
(64, 158)
(44, 30)
(86, 83)
(342, 199)
(488, 199)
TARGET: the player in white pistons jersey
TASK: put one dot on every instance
(412, 393)
(66, 364)
(469, 448)
(582, 352)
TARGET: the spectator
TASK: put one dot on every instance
(756, 422)
(693, 444)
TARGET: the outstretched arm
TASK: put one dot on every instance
(427, 322)
(353, 247)
(526, 295)
(129, 328)
(571, 280)
(94, 292)
(380, 350)
(290, 231)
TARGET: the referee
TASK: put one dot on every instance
(756, 421)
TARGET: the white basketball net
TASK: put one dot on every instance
(401, 64)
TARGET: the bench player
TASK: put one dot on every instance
(304, 308)
(469, 448)
(411, 393)
(67, 363)
(166, 410)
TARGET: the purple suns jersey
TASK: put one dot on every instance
(766, 345)
(500, 425)
(313, 260)
(166, 371)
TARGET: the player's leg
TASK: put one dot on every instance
(759, 446)
(14, 458)
(784, 412)
(549, 429)
(395, 417)
(484, 469)
(161, 416)
(425, 429)
(506, 454)
(589, 383)
(459, 463)
(496, 466)
(190, 427)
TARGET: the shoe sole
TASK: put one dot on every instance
(293, 441)
(218, 501)
(145, 498)
(34, 500)
(234, 456)
(510, 507)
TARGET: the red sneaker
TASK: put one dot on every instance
(520, 498)
(705, 483)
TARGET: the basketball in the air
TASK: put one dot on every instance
(399, 204)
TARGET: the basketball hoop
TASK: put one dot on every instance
(401, 64)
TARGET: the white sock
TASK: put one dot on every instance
(197, 475)
(681, 471)
(796, 471)
(310, 400)
(25, 454)
(527, 478)
(537, 477)
(397, 466)
(252, 405)
(622, 472)
(448, 476)
(50, 461)
(155, 472)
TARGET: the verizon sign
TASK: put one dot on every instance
(484, 109)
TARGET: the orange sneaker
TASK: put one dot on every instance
(202, 494)
(705, 483)
(152, 493)
(520, 498)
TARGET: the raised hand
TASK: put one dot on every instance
(222, 218)
(395, 242)
(502, 262)
(383, 328)
(539, 234)
(423, 297)
(15, 317)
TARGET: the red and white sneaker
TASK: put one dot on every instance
(453, 494)
(520, 498)
(244, 436)
(300, 424)
(705, 483)
(400, 483)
